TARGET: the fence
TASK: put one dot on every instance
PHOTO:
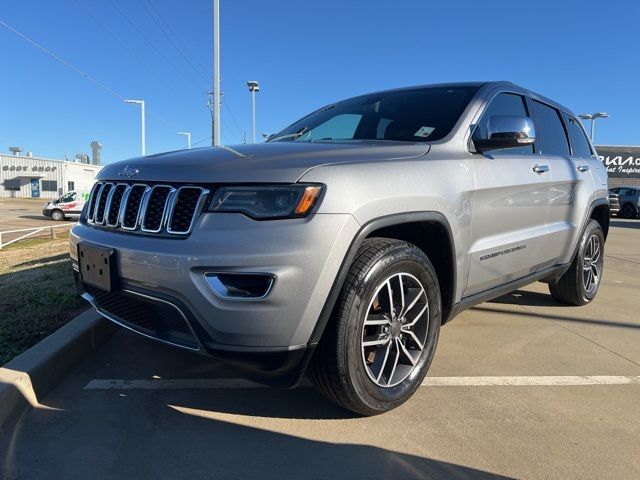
(32, 232)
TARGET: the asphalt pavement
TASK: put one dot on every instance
(520, 387)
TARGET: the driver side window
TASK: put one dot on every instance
(503, 104)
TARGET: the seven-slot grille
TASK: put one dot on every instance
(145, 208)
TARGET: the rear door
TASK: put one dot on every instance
(565, 148)
(509, 206)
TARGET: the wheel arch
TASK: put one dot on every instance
(427, 230)
(601, 213)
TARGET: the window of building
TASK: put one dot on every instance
(49, 186)
(71, 186)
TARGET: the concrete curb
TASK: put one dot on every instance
(31, 375)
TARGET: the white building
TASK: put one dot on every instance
(29, 176)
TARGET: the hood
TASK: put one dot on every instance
(279, 162)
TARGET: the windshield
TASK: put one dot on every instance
(413, 115)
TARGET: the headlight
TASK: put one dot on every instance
(267, 201)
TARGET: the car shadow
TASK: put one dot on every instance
(37, 217)
(524, 297)
(171, 441)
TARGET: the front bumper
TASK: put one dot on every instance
(304, 255)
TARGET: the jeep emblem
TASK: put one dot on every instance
(128, 172)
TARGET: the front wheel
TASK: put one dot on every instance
(579, 285)
(57, 215)
(384, 329)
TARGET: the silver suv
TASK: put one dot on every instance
(337, 248)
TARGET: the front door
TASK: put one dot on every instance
(35, 188)
(510, 204)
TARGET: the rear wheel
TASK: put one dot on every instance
(57, 215)
(628, 211)
(384, 330)
(579, 285)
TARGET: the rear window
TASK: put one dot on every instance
(579, 142)
(551, 138)
(412, 115)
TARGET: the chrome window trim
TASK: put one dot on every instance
(164, 209)
(204, 193)
(239, 299)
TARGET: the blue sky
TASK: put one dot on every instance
(583, 54)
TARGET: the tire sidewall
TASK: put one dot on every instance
(402, 259)
(592, 228)
(57, 215)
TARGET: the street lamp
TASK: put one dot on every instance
(592, 117)
(141, 103)
(188, 135)
(253, 88)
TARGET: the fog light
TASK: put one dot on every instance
(240, 286)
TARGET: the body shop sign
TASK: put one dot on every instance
(620, 161)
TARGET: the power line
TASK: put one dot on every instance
(64, 62)
(77, 70)
(123, 45)
(173, 33)
(157, 50)
(164, 32)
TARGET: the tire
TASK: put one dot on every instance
(628, 211)
(373, 379)
(579, 285)
(57, 215)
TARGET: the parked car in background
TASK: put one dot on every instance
(614, 203)
(68, 205)
(339, 247)
(629, 198)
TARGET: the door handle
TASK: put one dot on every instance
(583, 168)
(540, 169)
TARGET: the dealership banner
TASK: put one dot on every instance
(621, 161)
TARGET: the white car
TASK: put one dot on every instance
(68, 205)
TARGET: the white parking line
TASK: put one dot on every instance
(237, 383)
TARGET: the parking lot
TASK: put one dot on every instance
(138, 409)
(19, 213)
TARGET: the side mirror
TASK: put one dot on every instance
(506, 131)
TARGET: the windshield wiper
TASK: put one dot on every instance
(293, 136)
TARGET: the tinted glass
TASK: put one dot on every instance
(579, 142)
(413, 115)
(550, 136)
(503, 104)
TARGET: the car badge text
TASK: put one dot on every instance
(128, 172)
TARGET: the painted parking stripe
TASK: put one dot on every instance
(238, 383)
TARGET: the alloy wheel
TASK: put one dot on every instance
(591, 264)
(395, 329)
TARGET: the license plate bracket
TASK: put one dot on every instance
(97, 266)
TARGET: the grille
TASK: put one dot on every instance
(145, 208)
(148, 316)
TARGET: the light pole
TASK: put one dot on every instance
(253, 88)
(592, 117)
(142, 136)
(188, 135)
(215, 127)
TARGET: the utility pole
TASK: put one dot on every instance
(215, 120)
